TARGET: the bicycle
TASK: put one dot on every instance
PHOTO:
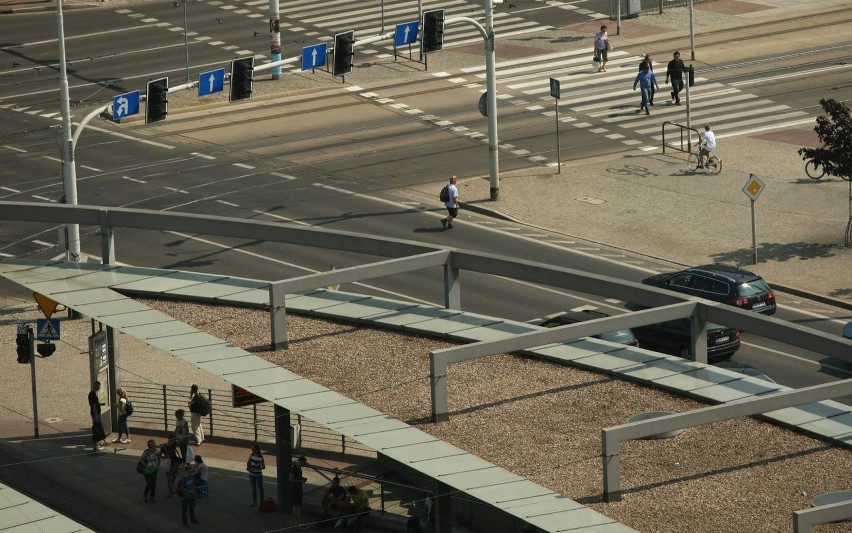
(814, 170)
(713, 165)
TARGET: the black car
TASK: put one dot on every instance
(720, 283)
(621, 336)
(674, 337)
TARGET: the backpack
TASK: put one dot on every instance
(203, 405)
(444, 196)
(128, 408)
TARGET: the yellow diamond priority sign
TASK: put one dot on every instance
(46, 305)
(753, 187)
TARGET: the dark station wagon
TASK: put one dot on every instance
(674, 337)
(720, 283)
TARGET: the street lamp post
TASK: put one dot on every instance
(69, 172)
(491, 85)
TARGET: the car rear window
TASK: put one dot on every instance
(753, 288)
(622, 336)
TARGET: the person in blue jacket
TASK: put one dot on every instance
(646, 80)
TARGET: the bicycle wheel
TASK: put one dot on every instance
(813, 170)
(714, 165)
(692, 161)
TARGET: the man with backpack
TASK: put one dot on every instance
(450, 196)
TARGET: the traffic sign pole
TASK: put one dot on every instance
(555, 92)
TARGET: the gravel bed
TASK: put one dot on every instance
(543, 421)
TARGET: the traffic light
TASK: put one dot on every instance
(25, 345)
(691, 75)
(242, 70)
(157, 100)
(433, 31)
(46, 349)
(344, 53)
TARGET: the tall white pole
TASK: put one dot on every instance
(69, 172)
(275, 37)
(491, 85)
(691, 33)
(186, 36)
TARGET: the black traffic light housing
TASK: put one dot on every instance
(46, 349)
(344, 53)
(691, 75)
(25, 345)
(433, 31)
(242, 70)
(157, 100)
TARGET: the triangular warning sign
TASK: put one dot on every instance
(47, 305)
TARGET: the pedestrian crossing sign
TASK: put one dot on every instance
(48, 329)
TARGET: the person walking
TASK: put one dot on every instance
(195, 407)
(647, 61)
(645, 79)
(186, 490)
(452, 203)
(170, 451)
(98, 433)
(297, 483)
(601, 48)
(122, 416)
(255, 466)
(151, 465)
(181, 432)
(675, 71)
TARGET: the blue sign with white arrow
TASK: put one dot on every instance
(125, 105)
(47, 329)
(406, 33)
(212, 81)
(314, 56)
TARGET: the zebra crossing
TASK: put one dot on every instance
(604, 103)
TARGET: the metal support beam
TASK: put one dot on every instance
(452, 287)
(612, 437)
(278, 317)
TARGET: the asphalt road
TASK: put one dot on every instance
(342, 160)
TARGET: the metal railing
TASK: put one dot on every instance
(647, 7)
(682, 130)
(154, 406)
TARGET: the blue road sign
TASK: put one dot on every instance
(406, 33)
(314, 56)
(212, 81)
(47, 329)
(125, 105)
(554, 88)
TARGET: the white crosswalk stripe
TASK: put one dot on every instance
(367, 20)
(605, 104)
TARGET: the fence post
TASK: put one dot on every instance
(254, 417)
(165, 410)
(210, 414)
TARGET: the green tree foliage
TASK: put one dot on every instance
(835, 132)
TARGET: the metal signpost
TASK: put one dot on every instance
(752, 189)
(212, 81)
(314, 56)
(555, 92)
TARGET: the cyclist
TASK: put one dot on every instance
(706, 144)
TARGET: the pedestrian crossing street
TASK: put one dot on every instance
(321, 21)
(604, 103)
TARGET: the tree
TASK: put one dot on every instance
(835, 133)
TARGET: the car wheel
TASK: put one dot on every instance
(684, 352)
